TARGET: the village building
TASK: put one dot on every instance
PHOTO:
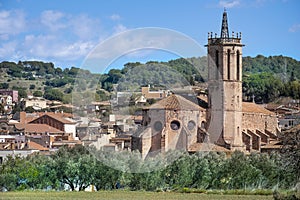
(37, 103)
(13, 93)
(148, 94)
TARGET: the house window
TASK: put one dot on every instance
(228, 64)
(175, 125)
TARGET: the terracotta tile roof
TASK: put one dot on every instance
(248, 107)
(38, 128)
(175, 102)
(29, 117)
(34, 145)
(57, 116)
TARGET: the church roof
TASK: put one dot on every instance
(175, 102)
(248, 107)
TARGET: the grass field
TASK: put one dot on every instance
(124, 195)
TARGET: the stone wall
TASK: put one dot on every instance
(260, 121)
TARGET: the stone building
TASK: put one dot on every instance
(169, 124)
(226, 124)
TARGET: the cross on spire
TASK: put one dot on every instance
(224, 29)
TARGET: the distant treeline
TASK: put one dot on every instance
(264, 78)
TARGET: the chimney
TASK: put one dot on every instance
(22, 117)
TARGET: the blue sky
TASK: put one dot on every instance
(65, 32)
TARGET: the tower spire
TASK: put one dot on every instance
(224, 29)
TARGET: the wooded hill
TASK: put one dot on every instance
(267, 78)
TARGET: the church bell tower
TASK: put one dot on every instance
(225, 88)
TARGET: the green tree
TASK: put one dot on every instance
(74, 167)
(53, 94)
(9, 172)
(32, 86)
(4, 85)
(291, 155)
(38, 93)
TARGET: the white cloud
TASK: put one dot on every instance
(11, 22)
(119, 28)
(229, 4)
(49, 46)
(85, 27)
(115, 17)
(53, 36)
(295, 28)
(7, 49)
(53, 20)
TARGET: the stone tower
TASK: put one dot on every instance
(225, 88)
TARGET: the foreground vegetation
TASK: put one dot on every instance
(78, 168)
(125, 195)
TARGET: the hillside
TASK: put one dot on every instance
(264, 77)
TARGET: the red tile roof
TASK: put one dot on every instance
(34, 145)
(38, 128)
(175, 102)
(57, 116)
(248, 107)
(29, 117)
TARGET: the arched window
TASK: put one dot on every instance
(238, 65)
(175, 125)
(228, 64)
(217, 64)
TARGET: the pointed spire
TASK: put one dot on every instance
(224, 29)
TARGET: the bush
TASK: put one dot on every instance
(38, 93)
(31, 87)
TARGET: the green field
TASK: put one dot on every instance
(124, 195)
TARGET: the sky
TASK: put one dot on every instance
(67, 32)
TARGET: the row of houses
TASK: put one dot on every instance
(171, 117)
